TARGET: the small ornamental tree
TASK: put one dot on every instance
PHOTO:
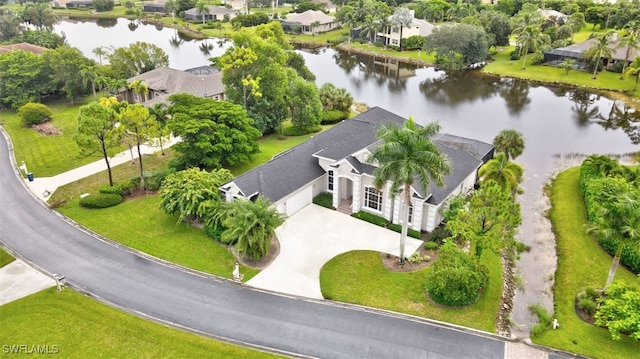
(34, 114)
(619, 311)
(456, 278)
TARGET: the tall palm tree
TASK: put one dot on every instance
(90, 74)
(529, 39)
(507, 174)
(401, 18)
(161, 114)
(171, 6)
(139, 89)
(509, 142)
(202, 9)
(634, 70)
(632, 43)
(408, 154)
(100, 51)
(619, 219)
(251, 225)
(601, 49)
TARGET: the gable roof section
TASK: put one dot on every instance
(24, 47)
(213, 10)
(298, 166)
(309, 16)
(577, 50)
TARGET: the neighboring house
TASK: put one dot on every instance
(329, 6)
(76, 4)
(163, 82)
(155, 6)
(576, 52)
(216, 13)
(553, 13)
(335, 161)
(22, 46)
(391, 35)
(311, 22)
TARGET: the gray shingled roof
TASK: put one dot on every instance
(298, 166)
(170, 81)
(212, 10)
(309, 16)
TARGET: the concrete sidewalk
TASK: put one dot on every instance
(43, 187)
(18, 280)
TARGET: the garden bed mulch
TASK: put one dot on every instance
(46, 129)
(391, 262)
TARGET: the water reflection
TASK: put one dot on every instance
(454, 88)
(132, 25)
(515, 94)
(622, 117)
(106, 22)
(584, 106)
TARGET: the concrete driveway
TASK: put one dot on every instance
(313, 236)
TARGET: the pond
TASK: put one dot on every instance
(558, 123)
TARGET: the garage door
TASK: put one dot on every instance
(299, 200)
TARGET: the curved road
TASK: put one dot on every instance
(212, 306)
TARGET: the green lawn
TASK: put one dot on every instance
(581, 263)
(5, 258)
(359, 277)
(78, 327)
(47, 155)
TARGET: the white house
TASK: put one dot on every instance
(335, 161)
(391, 35)
(312, 22)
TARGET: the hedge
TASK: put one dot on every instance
(324, 199)
(115, 189)
(371, 218)
(410, 232)
(330, 117)
(101, 200)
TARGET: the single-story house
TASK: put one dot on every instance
(576, 52)
(79, 4)
(216, 13)
(34, 49)
(163, 82)
(328, 5)
(549, 13)
(155, 6)
(311, 22)
(335, 161)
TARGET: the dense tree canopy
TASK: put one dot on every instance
(23, 78)
(458, 45)
(137, 58)
(214, 133)
(66, 64)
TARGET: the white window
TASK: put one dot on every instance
(330, 181)
(410, 213)
(373, 198)
(394, 42)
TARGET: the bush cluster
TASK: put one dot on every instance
(456, 279)
(115, 189)
(334, 116)
(34, 114)
(601, 178)
(410, 232)
(371, 218)
(101, 200)
(324, 199)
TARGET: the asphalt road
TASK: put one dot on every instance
(215, 307)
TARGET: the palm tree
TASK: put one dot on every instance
(401, 18)
(507, 174)
(634, 70)
(407, 153)
(202, 9)
(90, 74)
(100, 51)
(140, 89)
(171, 6)
(599, 50)
(619, 219)
(161, 114)
(251, 225)
(529, 39)
(567, 65)
(632, 43)
(369, 27)
(509, 142)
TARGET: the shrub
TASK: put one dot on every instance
(587, 304)
(431, 246)
(214, 232)
(333, 116)
(410, 232)
(34, 114)
(371, 218)
(154, 179)
(324, 199)
(457, 279)
(101, 200)
(514, 55)
(618, 311)
(544, 320)
(418, 258)
(438, 235)
(115, 189)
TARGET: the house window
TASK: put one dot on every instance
(330, 181)
(410, 214)
(394, 42)
(373, 198)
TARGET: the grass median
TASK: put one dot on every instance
(5, 258)
(581, 264)
(359, 277)
(75, 326)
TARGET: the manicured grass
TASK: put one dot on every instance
(581, 264)
(504, 66)
(5, 258)
(359, 277)
(47, 155)
(80, 327)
